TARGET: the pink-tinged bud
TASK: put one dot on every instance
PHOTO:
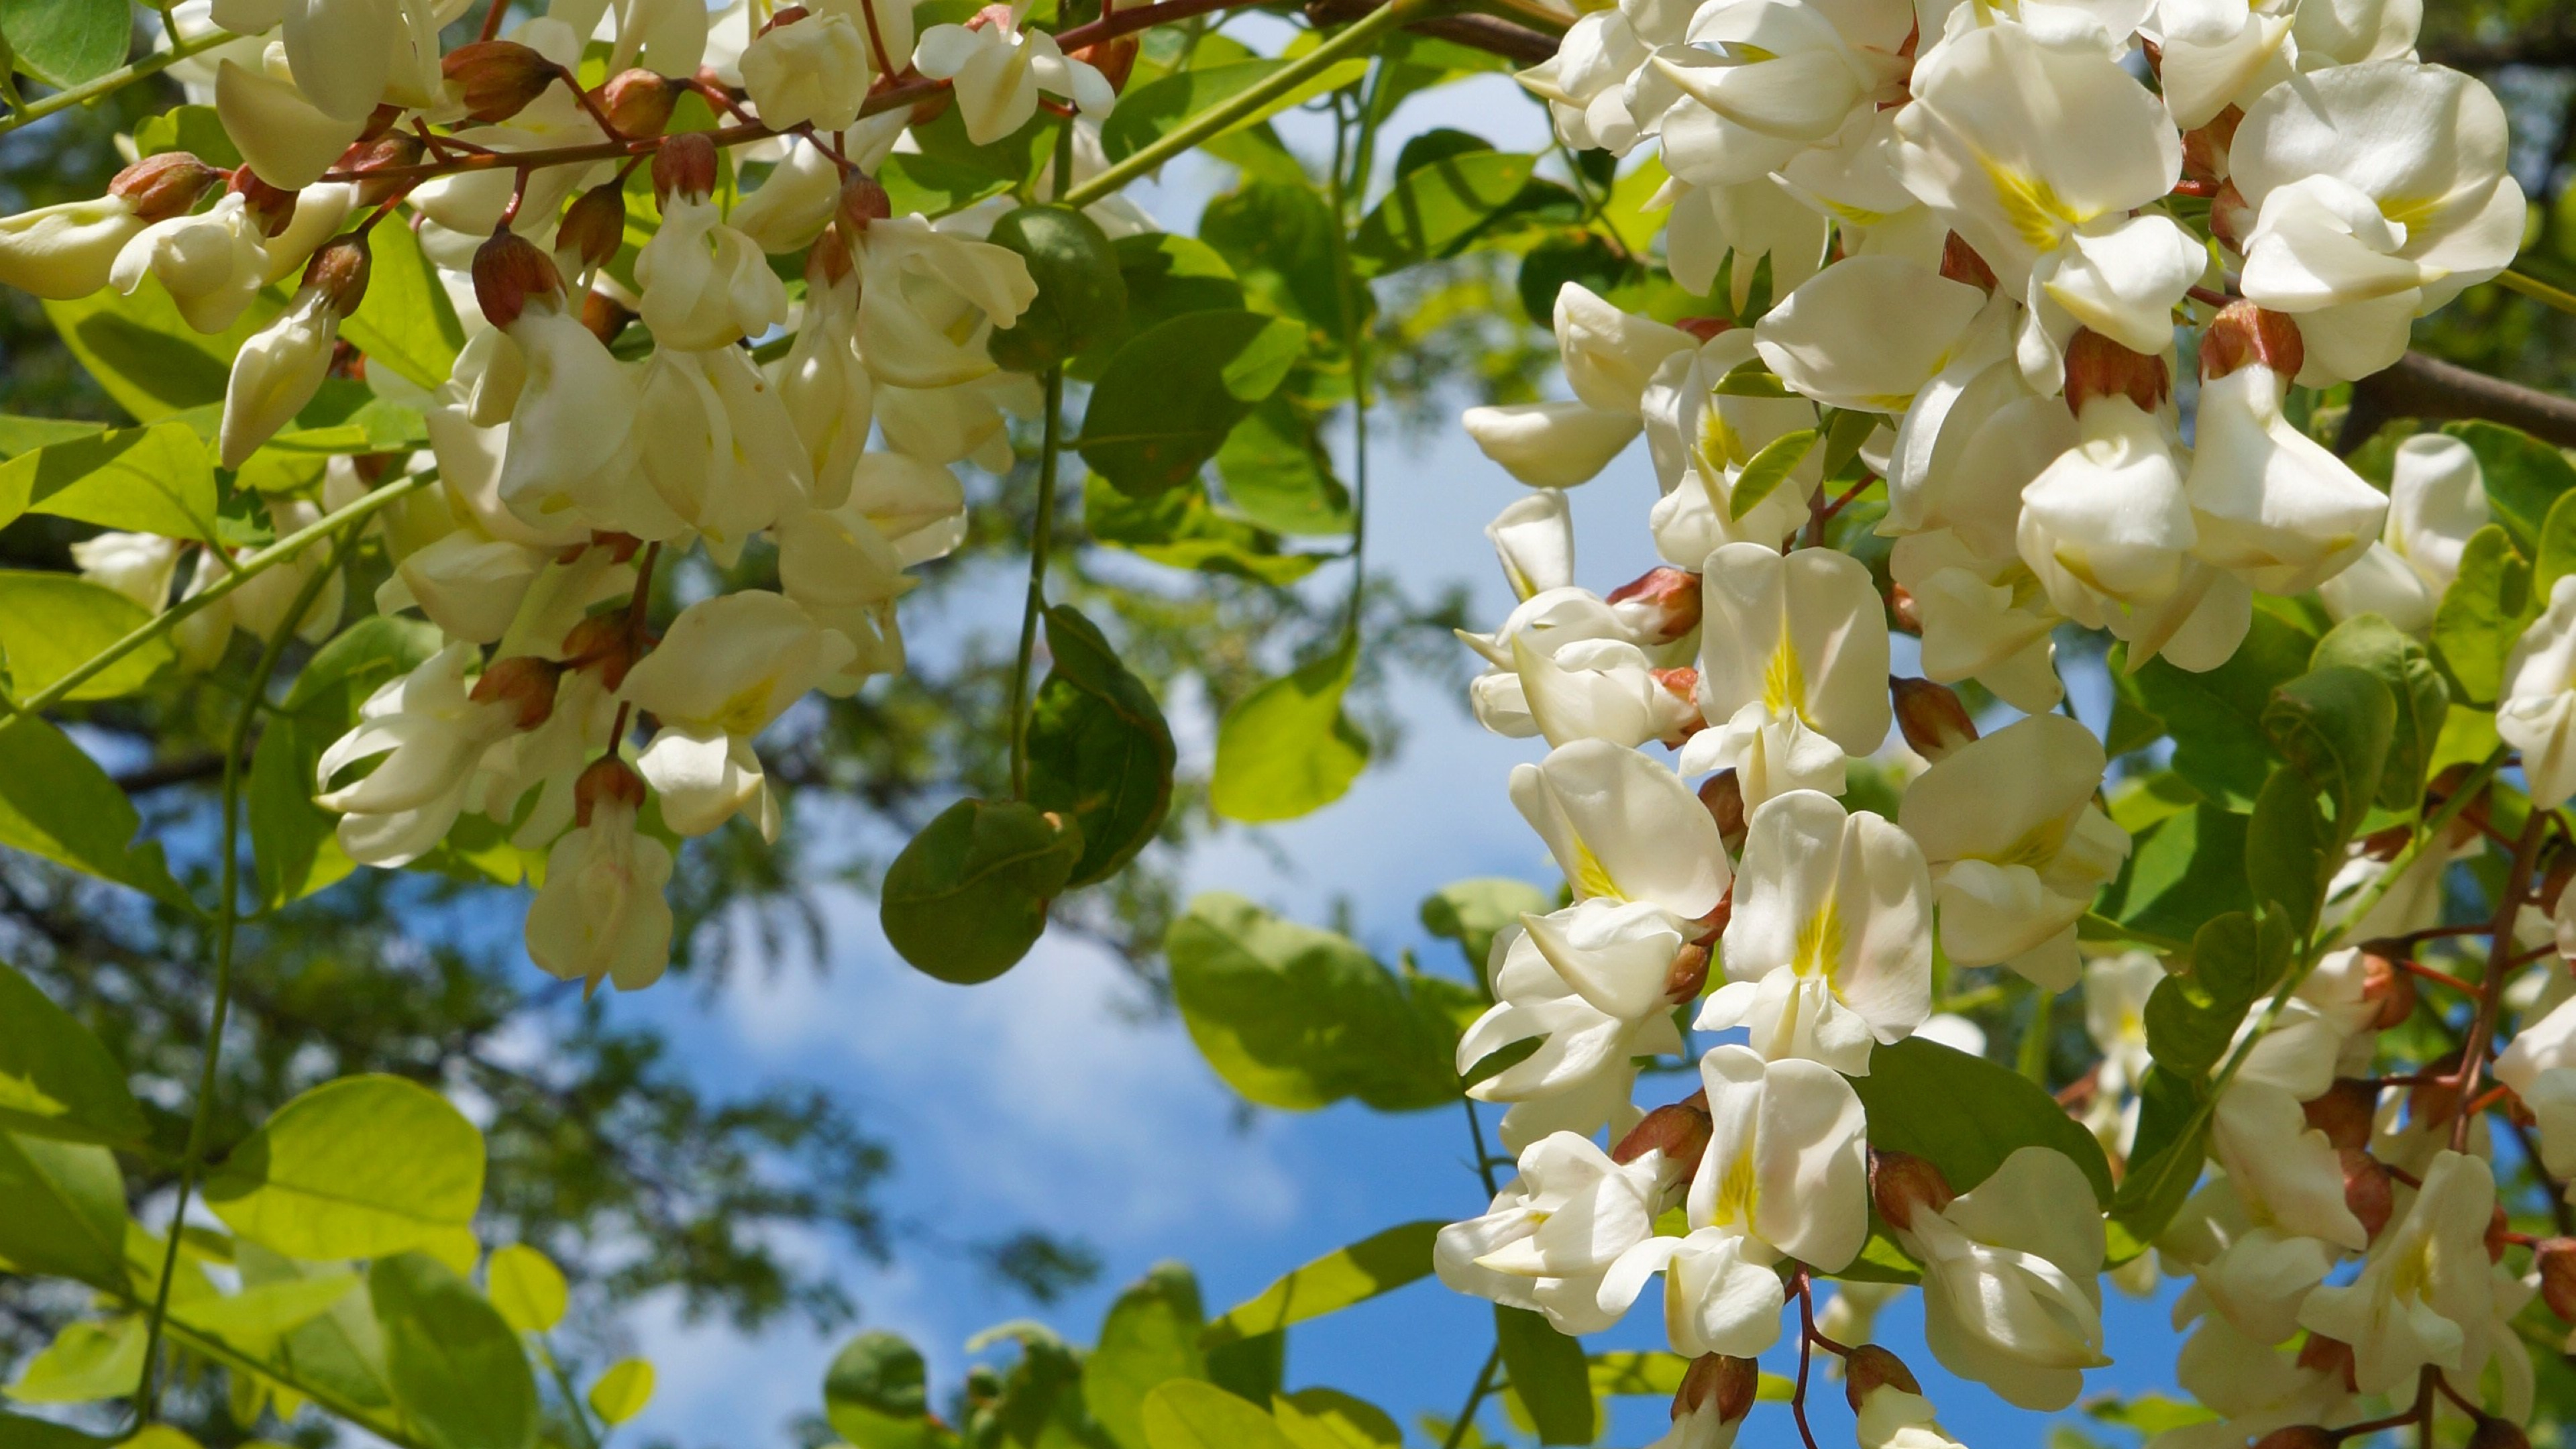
(2096, 366)
(1682, 683)
(604, 316)
(785, 15)
(995, 17)
(685, 166)
(594, 227)
(2331, 1357)
(1723, 794)
(1688, 975)
(2243, 333)
(1114, 58)
(2384, 981)
(1731, 1384)
(2556, 1260)
(273, 208)
(2367, 1190)
(1658, 606)
(2299, 1436)
(601, 641)
(1871, 1368)
(1679, 1130)
(525, 682)
(1902, 1184)
(1960, 263)
(862, 201)
(496, 79)
(1705, 328)
(2495, 1433)
(339, 272)
(2231, 219)
(608, 778)
(1934, 721)
(163, 186)
(1902, 614)
(509, 273)
(639, 102)
(2344, 1112)
(2204, 150)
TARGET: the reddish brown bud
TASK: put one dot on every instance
(1960, 263)
(383, 153)
(601, 641)
(496, 79)
(862, 201)
(1658, 606)
(1871, 1368)
(604, 316)
(1730, 1383)
(1902, 614)
(1688, 975)
(339, 272)
(2494, 1433)
(2556, 1260)
(2329, 1356)
(1901, 1183)
(1705, 328)
(509, 273)
(524, 681)
(827, 261)
(2096, 366)
(608, 778)
(1723, 794)
(2204, 149)
(685, 166)
(2389, 984)
(1681, 682)
(1934, 721)
(2243, 333)
(2344, 1112)
(2367, 1190)
(2231, 220)
(1114, 58)
(594, 227)
(163, 186)
(639, 102)
(272, 208)
(1679, 1130)
(2499, 1234)
(784, 15)
(2299, 1436)
(995, 16)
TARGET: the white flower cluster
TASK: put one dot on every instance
(557, 461)
(1982, 223)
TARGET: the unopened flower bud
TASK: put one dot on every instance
(1934, 721)
(1659, 606)
(2329, 1356)
(639, 102)
(862, 201)
(2556, 1260)
(2096, 366)
(1903, 615)
(1679, 1130)
(2499, 1234)
(601, 641)
(2204, 148)
(2367, 1190)
(1705, 328)
(2299, 1436)
(509, 273)
(1114, 58)
(388, 152)
(827, 261)
(2243, 333)
(685, 166)
(496, 79)
(784, 15)
(608, 778)
(2343, 1112)
(1682, 683)
(1871, 1368)
(2384, 981)
(2231, 219)
(163, 186)
(605, 316)
(1689, 974)
(1730, 1383)
(339, 272)
(524, 681)
(1723, 794)
(595, 226)
(1960, 263)
(2495, 1433)
(272, 208)
(1901, 1183)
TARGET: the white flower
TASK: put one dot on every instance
(2271, 504)
(1580, 1076)
(67, 250)
(813, 70)
(2537, 714)
(728, 666)
(2425, 1280)
(999, 69)
(928, 299)
(432, 731)
(211, 263)
(668, 37)
(1554, 1233)
(1588, 689)
(1609, 357)
(1868, 332)
(137, 565)
(792, 205)
(827, 390)
(277, 372)
(1984, 618)
(1753, 220)
(1829, 948)
(1624, 828)
(2283, 1167)
(572, 458)
(2218, 53)
(2540, 1065)
(718, 446)
(2009, 1291)
(1891, 1418)
(703, 284)
(2348, 32)
(2116, 989)
(287, 140)
(1534, 538)
(1702, 438)
(1800, 635)
(1772, 78)
(2436, 498)
(601, 914)
(468, 583)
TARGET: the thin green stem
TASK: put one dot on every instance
(1476, 1131)
(1216, 119)
(206, 1345)
(1354, 316)
(2538, 290)
(563, 1385)
(251, 568)
(115, 80)
(227, 921)
(1040, 534)
(1476, 1396)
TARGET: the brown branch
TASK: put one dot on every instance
(1476, 32)
(2434, 390)
(162, 774)
(2517, 884)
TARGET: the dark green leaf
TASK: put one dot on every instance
(968, 896)
(2333, 725)
(1170, 395)
(2291, 849)
(1151, 1336)
(1166, 275)
(2524, 476)
(1451, 204)
(458, 1372)
(1286, 749)
(2217, 717)
(1179, 529)
(1379, 1263)
(67, 42)
(56, 1080)
(2181, 871)
(1913, 1094)
(1585, 258)
(2403, 666)
(1252, 1369)
(1098, 748)
(2192, 1018)
(876, 1395)
(1549, 1375)
(2482, 614)
(933, 187)
(56, 802)
(1081, 299)
(1277, 474)
(2164, 1163)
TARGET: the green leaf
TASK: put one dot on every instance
(2401, 664)
(526, 1287)
(1178, 529)
(1150, 111)
(1585, 258)
(1752, 378)
(2149, 1414)
(1330, 1419)
(147, 358)
(2192, 1018)
(359, 1167)
(2291, 849)
(342, 1351)
(197, 130)
(405, 321)
(2164, 1164)
(2554, 555)
(67, 42)
(2333, 725)
(2481, 615)
(1451, 204)
(1473, 912)
(156, 479)
(17, 1431)
(1287, 749)
(1913, 1094)
(933, 187)
(1250, 1368)
(1187, 1414)
(1766, 470)
(876, 1394)
(1081, 298)
(20, 434)
(968, 896)
(86, 1362)
(1170, 395)
(1098, 748)
(56, 802)
(66, 1216)
(1549, 1375)
(2216, 717)
(1165, 276)
(1297, 1018)
(2182, 870)
(51, 624)
(1379, 1263)
(458, 1372)
(1277, 474)
(622, 1392)
(56, 1080)
(2524, 476)
(1151, 1336)
(254, 1319)
(1279, 237)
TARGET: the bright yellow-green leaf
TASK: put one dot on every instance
(623, 1391)
(50, 624)
(56, 802)
(1150, 1337)
(1188, 1414)
(254, 1319)
(1375, 1264)
(1286, 749)
(1331, 1419)
(56, 1080)
(66, 1210)
(144, 480)
(356, 1168)
(457, 1371)
(85, 1362)
(527, 1287)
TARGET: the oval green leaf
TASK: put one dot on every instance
(968, 896)
(355, 1168)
